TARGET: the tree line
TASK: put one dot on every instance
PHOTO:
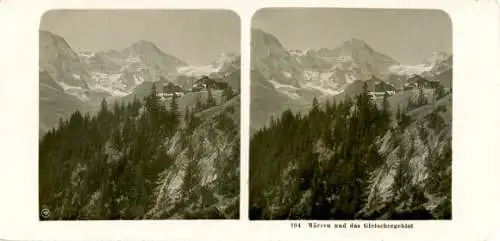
(106, 166)
(319, 165)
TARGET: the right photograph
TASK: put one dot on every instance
(351, 114)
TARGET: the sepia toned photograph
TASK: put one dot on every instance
(139, 114)
(351, 114)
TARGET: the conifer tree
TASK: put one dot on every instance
(174, 110)
(103, 115)
(117, 110)
(315, 104)
(199, 104)
(422, 99)
(104, 106)
(210, 99)
(186, 116)
(398, 113)
(61, 123)
(385, 104)
(439, 92)
(153, 105)
(135, 106)
(314, 113)
(228, 93)
(386, 112)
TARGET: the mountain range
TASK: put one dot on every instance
(71, 80)
(291, 78)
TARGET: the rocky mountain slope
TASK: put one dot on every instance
(273, 61)
(61, 62)
(418, 165)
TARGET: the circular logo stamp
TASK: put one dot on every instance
(45, 212)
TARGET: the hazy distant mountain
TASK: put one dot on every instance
(55, 103)
(151, 55)
(322, 72)
(115, 74)
(373, 84)
(265, 100)
(100, 62)
(119, 72)
(354, 57)
(437, 63)
(297, 76)
(233, 79)
(332, 69)
(445, 78)
(226, 62)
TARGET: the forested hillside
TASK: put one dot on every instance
(144, 159)
(355, 159)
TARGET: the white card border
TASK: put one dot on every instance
(476, 132)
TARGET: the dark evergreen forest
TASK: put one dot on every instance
(327, 163)
(143, 159)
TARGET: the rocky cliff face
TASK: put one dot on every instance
(273, 60)
(203, 181)
(416, 175)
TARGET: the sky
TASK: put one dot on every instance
(195, 36)
(408, 36)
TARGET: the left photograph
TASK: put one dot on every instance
(139, 114)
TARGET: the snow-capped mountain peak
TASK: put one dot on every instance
(356, 43)
(437, 62)
(223, 62)
(103, 73)
(436, 58)
(144, 46)
(223, 59)
(273, 60)
(87, 54)
(197, 71)
(300, 52)
(60, 61)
